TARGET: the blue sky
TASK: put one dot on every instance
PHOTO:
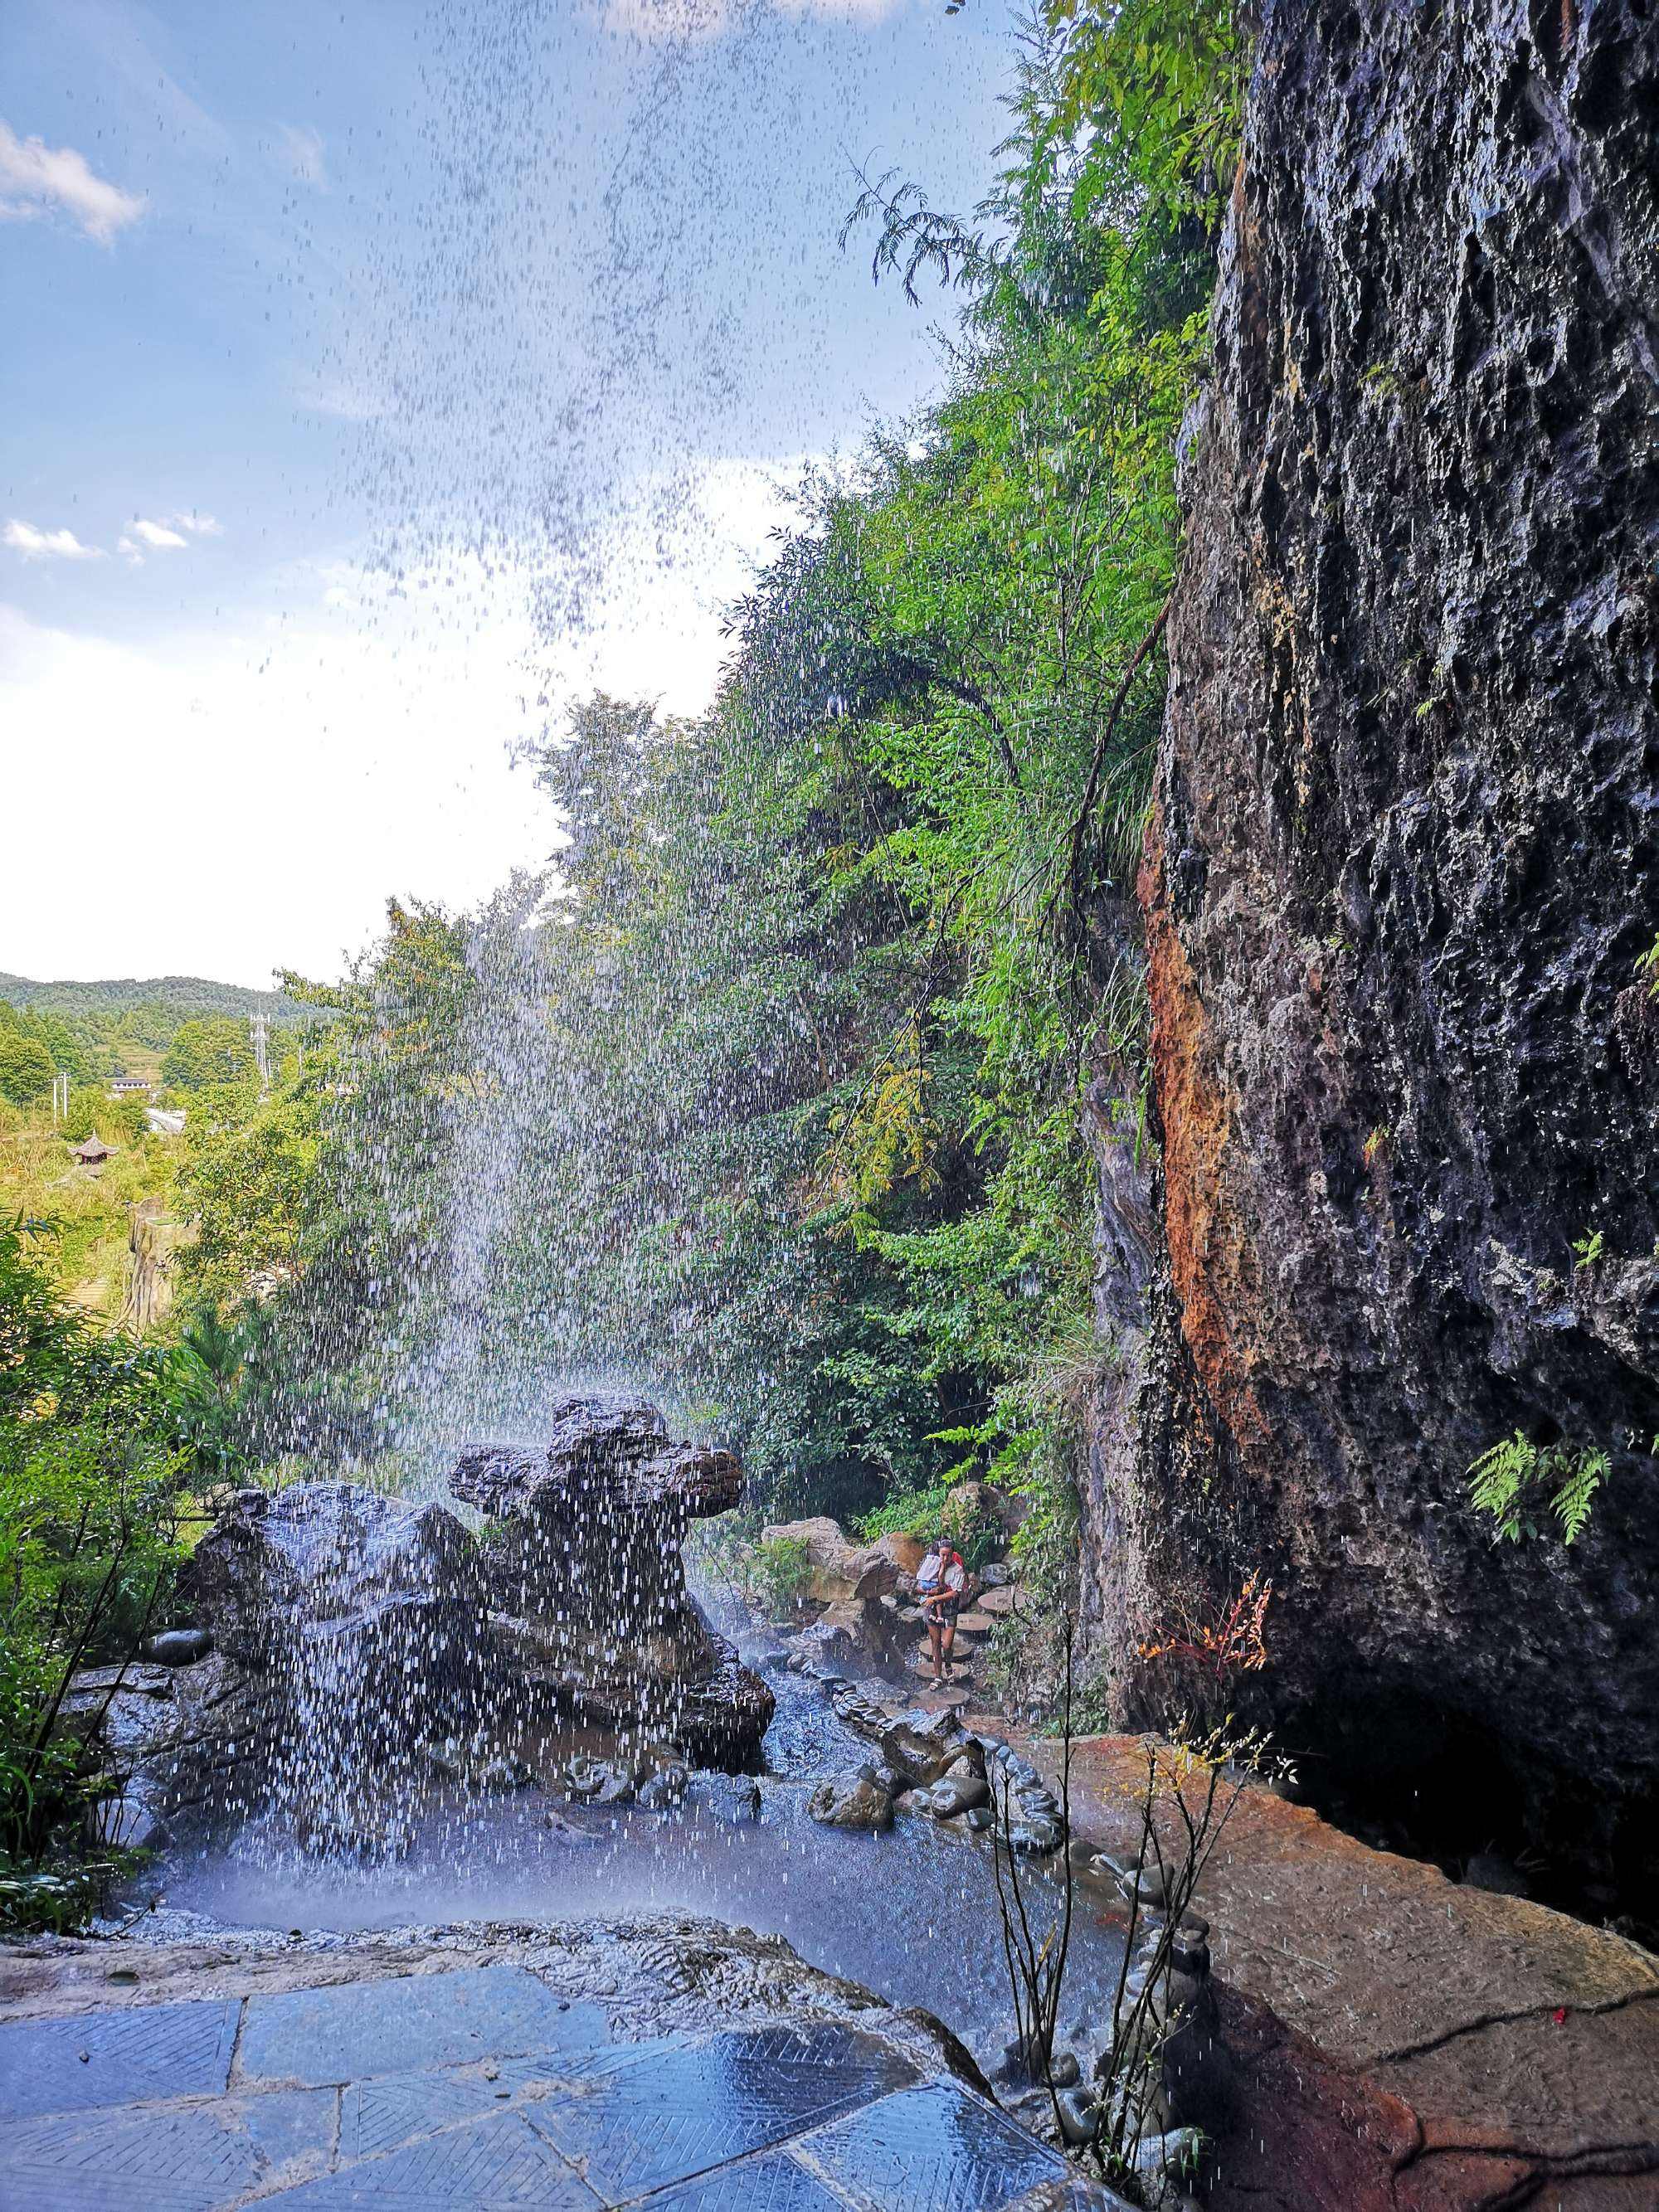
(375, 370)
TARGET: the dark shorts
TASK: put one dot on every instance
(943, 1611)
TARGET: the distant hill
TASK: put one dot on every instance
(186, 996)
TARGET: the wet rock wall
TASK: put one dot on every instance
(1402, 865)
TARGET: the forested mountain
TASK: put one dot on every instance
(185, 996)
(93, 1032)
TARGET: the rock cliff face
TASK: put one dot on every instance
(1403, 863)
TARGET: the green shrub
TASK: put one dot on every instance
(975, 1530)
(1515, 1479)
(92, 1465)
(59, 1898)
(773, 1574)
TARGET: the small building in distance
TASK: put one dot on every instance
(94, 1152)
(129, 1086)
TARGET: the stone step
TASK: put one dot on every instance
(948, 1694)
(976, 1623)
(1002, 1601)
(920, 1662)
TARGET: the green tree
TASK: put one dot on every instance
(26, 1068)
(215, 1050)
(94, 1112)
(323, 1207)
(774, 1094)
(92, 1459)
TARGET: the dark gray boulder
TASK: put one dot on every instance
(587, 1583)
(854, 1800)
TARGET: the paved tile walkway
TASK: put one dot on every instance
(482, 2087)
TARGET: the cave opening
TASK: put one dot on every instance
(1406, 1774)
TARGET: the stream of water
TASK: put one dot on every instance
(912, 1915)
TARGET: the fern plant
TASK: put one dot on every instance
(1507, 1480)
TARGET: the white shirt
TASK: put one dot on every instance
(955, 1576)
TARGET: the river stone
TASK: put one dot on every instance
(1079, 2115)
(952, 1794)
(1034, 1838)
(1168, 2156)
(835, 1570)
(663, 1787)
(734, 1800)
(1145, 1883)
(830, 1643)
(179, 1647)
(854, 1802)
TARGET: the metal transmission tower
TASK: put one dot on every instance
(259, 1028)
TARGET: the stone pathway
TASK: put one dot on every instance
(486, 2087)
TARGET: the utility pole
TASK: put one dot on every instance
(259, 1027)
(60, 1089)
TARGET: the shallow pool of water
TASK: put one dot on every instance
(912, 1915)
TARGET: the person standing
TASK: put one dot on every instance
(940, 1581)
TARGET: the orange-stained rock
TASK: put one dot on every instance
(1400, 871)
(1394, 2028)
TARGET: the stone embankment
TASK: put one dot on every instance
(1384, 2037)
(1397, 2040)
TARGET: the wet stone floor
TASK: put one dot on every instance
(482, 2087)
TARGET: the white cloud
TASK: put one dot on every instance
(47, 544)
(35, 178)
(156, 534)
(162, 536)
(390, 707)
(299, 153)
